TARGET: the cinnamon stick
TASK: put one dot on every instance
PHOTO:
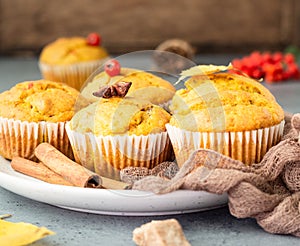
(112, 184)
(37, 170)
(68, 169)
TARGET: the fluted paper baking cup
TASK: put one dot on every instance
(74, 74)
(20, 138)
(107, 155)
(246, 146)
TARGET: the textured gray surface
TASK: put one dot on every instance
(214, 227)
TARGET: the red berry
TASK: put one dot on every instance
(285, 75)
(293, 70)
(289, 58)
(269, 78)
(255, 55)
(278, 76)
(257, 73)
(256, 58)
(112, 67)
(236, 63)
(30, 85)
(94, 39)
(267, 57)
(277, 57)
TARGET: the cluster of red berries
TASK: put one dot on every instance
(271, 67)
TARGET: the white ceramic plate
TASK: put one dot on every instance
(101, 201)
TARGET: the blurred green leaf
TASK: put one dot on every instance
(295, 50)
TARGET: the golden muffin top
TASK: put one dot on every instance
(40, 100)
(144, 85)
(118, 116)
(65, 51)
(224, 102)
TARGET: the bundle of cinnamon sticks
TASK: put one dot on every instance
(55, 168)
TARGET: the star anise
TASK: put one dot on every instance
(118, 89)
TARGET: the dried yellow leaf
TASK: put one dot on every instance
(4, 216)
(17, 234)
(203, 70)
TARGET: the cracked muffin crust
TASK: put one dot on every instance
(224, 102)
(40, 100)
(144, 85)
(117, 116)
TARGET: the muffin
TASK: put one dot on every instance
(32, 112)
(232, 114)
(115, 133)
(144, 85)
(71, 60)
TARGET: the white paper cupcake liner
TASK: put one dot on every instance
(74, 74)
(107, 155)
(20, 138)
(246, 146)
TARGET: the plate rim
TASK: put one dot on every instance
(17, 183)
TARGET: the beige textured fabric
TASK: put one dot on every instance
(268, 191)
(166, 170)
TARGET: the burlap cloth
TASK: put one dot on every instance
(268, 191)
